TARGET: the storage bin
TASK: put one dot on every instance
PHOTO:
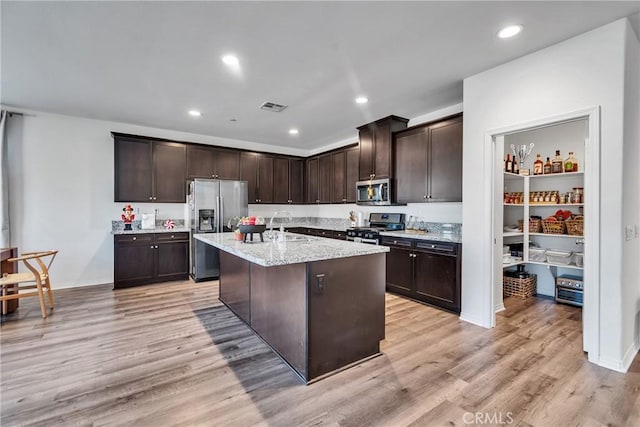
(579, 259)
(519, 288)
(558, 256)
(553, 227)
(537, 254)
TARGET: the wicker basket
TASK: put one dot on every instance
(535, 225)
(554, 227)
(575, 227)
(519, 288)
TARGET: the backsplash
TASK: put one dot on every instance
(135, 224)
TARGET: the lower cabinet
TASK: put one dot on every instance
(141, 259)
(424, 270)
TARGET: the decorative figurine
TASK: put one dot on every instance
(127, 217)
(169, 224)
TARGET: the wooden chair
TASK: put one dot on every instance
(12, 284)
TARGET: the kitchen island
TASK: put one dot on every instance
(318, 303)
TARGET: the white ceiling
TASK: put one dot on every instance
(148, 63)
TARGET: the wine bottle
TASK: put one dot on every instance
(538, 166)
(508, 164)
(557, 164)
(516, 167)
(547, 167)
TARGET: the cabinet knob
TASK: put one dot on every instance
(433, 246)
(424, 197)
(154, 197)
(172, 236)
(395, 242)
(150, 198)
(151, 246)
(156, 246)
(133, 238)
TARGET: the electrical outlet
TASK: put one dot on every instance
(637, 231)
(628, 232)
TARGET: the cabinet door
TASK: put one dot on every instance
(338, 183)
(400, 271)
(172, 260)
(445, 161)
(265, 178)
(382, 151)
(324, 187)
(133, 263)
(366, 153)
(296, 181)
(133, 170)
(352, 157)
(227, 164)
(249, 173)
(436, 280)
(411, 148)
(169, 172)
(201, 162)
(312, 180)
(280, 180)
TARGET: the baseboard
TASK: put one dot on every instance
(470, 318)
(623, 364)
(500, 307)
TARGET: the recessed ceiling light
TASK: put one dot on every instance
(362, 100)
(231, 60)
(195, 113)
(293, 131)
(510, 31)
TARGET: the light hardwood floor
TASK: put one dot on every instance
(172, 354)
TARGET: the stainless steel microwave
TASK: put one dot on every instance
(374, 192)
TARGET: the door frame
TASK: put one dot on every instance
(591, 272)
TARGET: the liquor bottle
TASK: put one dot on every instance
(508, 164)
(547, 167)
(571, 164)
(538, 166)
(516, 167)
(557, 164)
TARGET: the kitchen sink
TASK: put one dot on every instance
(295, 238)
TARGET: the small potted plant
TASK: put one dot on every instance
(234, 224)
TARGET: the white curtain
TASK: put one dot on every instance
(5, 236)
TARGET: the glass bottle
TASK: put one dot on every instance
(557, 165)
(538, 166)
(571, 164)
(547, 167)
(508, 164)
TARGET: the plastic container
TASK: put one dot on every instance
(537, 254)
(579, 259)
(558, 256)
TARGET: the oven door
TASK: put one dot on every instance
(375, 192)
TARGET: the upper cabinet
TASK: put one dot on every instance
(312, 195)
(428, 162)
(211, 162)
(149, 170)
(288, 178)
(332, 177)
(376, 160)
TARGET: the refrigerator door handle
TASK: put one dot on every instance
(216, 215)
(221, 214)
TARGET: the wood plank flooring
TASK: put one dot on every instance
(172, 354)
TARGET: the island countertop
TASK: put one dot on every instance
(272, 253)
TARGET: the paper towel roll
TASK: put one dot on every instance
(360, 219)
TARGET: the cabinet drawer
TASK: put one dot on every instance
(440, 247)
(324, 233)
(340, 235)
(172, 237)
(396, 242)
(133, 238)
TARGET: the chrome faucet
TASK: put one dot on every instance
(276, 214)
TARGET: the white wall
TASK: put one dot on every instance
(631, 198)
(61, 191)
(583, 72)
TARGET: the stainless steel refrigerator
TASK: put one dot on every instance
(213, 203)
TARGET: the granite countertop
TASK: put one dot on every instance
(437, 237)
(271, 253)
(153, 230)
(331, 227)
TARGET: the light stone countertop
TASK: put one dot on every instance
(436, 237)
(305, 225)
(154, 230)
(272, 253)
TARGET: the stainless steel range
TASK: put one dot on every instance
(377, 222)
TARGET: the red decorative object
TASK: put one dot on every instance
(169, 224)
(128, 216)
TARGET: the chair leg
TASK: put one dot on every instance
(49, 292)
(43, 308)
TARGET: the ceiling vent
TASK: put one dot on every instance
(272, 106)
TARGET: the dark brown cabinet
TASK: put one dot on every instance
(339, 178)
(312, 180)
(427, 271)
(325, 178)
(376, 158)
(265, 178)
(352, 156)
(249, 173)
(428, 162)
(210, 162)
(258, 170)
(149, 258)
(149, 171)
(288, 180)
